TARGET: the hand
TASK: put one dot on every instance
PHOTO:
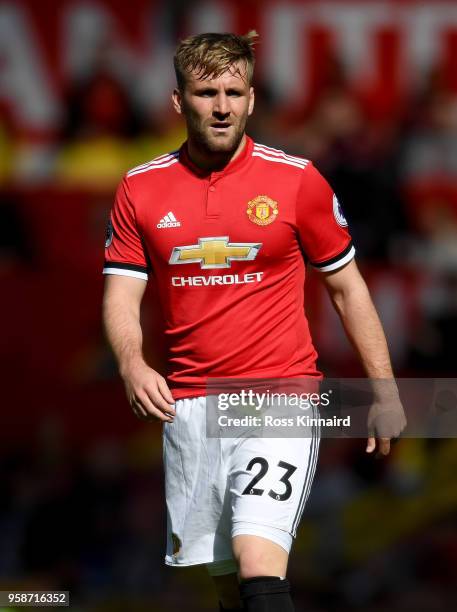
(386, 419)
(148, 393)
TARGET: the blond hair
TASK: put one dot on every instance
(210, 55)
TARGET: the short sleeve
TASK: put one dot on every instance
(321, 225)
(124, 251)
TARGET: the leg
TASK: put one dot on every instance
(228, 591)
(259, 557)
(225, 579)
(263, 566)
(275, 496)
(270, 479)
(198, 517)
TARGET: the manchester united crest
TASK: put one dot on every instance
(262, 210)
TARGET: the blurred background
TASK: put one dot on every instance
(368, 91)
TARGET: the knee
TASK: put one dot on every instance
(252, 563)
(258, 556)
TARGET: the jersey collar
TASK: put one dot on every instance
(232, 166)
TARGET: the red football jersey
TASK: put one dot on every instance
(228, 252)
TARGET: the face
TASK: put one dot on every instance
(216, 110)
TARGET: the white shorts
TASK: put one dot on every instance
(217, 488)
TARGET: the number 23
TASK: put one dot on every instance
(251, 488)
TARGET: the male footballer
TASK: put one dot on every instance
(225, 227)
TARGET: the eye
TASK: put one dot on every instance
(206, 93)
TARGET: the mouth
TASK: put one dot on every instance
(220, 126)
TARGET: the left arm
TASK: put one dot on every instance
(352, 301)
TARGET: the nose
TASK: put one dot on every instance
(221, 109)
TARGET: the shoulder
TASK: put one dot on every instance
(276, 158)
(158, 163)
(137, 182)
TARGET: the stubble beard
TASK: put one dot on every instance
(216, 144)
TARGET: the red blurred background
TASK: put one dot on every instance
(368, 91)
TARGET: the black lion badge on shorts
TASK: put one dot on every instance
(108, 234)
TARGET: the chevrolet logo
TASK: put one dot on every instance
(215, 252)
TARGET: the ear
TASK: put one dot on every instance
(176, 99)
(251, 100)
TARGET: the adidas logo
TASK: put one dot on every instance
(168, 221)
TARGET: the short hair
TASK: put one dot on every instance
(212, 54)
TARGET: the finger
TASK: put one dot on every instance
(139, 411)
(142, 416)
(384, 446)
(150, 410)
(155, 397)
(136, 405)
(165, 391)
(165, 394)
(371, 445)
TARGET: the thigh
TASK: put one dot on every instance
(195, 484)
(259, 556)
(270, 481)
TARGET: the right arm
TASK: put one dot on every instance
(147, 391)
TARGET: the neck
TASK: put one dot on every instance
(212, 160)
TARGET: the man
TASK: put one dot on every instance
(223, 226)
